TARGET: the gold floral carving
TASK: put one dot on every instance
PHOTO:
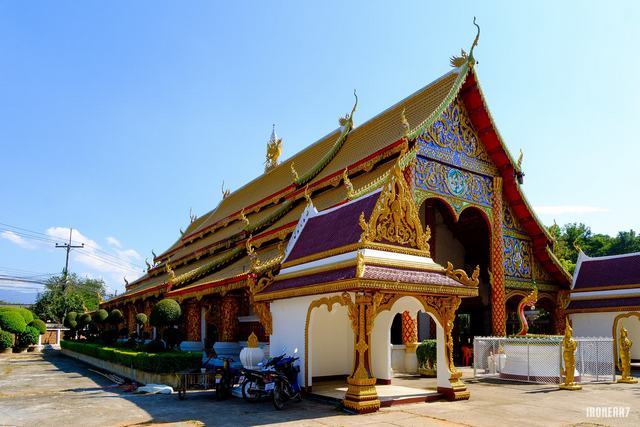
(360, 264)
(444, 309)
(252, 341)
(261, 309)
(461, 276)
(395, 217)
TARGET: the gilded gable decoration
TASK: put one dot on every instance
(274, 149)
(461, 276)
(395, 217)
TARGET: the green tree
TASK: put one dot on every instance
(73, 294)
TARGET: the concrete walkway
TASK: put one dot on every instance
(52, 390)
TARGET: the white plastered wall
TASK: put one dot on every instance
(601, 325)
(330, 342)
(288, 319)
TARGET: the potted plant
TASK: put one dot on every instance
(426, 353)
(26, 339)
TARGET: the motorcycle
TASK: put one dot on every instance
(286, 385)
(278, 378)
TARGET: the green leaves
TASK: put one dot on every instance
(72, 294)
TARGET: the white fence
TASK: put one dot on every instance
(539, 359)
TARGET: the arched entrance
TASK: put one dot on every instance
(464, 240)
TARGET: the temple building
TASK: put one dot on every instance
(605, 296)
(415, 218)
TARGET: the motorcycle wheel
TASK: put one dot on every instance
(278, 396)
(247, 394)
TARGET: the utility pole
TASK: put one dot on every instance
(68, 247)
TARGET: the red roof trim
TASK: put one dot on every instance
(207, 285)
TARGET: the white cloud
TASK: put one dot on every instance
(17, 240)
(569, 209)
(114, 242)
(99, 263)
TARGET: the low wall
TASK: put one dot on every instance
(136, 375)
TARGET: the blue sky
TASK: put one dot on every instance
(118, 117)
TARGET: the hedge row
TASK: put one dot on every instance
(166, 362)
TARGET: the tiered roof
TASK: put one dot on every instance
(212, 253)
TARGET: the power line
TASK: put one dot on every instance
(68, 247)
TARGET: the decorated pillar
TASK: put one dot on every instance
(444, 310)
(562, 300)
(147, 310)
(229, 307)
(192, 316)
(410, 341)
(498, 305)
(131, 318)
(361, 395)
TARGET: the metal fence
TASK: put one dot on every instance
(539, 359)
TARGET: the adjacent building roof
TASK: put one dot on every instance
(609, 283)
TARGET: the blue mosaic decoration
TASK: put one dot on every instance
(448, 181)
(517, 257)
(452, 139)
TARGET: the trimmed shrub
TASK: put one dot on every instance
(6, 340)
(100, 316)
(115, 317)
(426, 352)
(26, 314)
(12, 321)
(167, 312)
(28, 337)
(141, 319)
(70, 320)
(168, 362)
(39, 325)
(84, 320)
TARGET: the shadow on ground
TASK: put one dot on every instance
(200, 406)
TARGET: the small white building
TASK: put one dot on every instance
(605, 295)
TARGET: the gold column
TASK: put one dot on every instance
(131, 318)
(562, 300)
(229, 307)
(361, 395)
(498, 306)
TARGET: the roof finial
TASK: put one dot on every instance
(274, 149)
(458, 61)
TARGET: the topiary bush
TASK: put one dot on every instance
(12, 321)
(115, 317)
(26, 314)
(39, 325)
(100, 316)
(70, 320)
(84, 320)
(6, 340)
(167, 312)
(27, 338)
(141, 319)
(426, 352)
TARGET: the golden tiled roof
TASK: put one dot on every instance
(362, 142)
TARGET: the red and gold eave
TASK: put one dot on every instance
(480, 116)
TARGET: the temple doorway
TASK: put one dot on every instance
(465, 242)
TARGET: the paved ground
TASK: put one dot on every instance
(50, 390)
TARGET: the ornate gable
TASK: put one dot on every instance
(395, 219)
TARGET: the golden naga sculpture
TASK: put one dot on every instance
(146, 262)
(461, 276)
(347, 182)
(346, 122)
(624, 351)
(406, 127)
(569, 346)
(307, 195)
(225, 192)
(294, 172)
(395, 217)
(169, 270)
(244, 218)
(274, 149)
(528, 301)
(458, 61)
(126, 282)
(258, 266)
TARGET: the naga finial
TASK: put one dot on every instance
(192, 216)
(244, 218)
(294, 172)
(519, 162)
(169, 270)
(274, 149)
(307, 195)
(153, 254)
(347, 120)
(147, 264)
(126, 282)
(225, 192)
(458, 61)
(406, 127)
(251, 251)
(576, 246)
(347, 182)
